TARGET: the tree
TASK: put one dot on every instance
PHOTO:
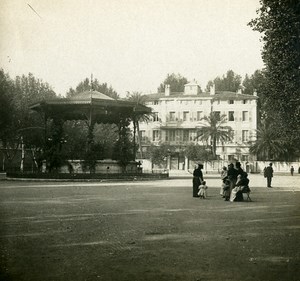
(268, 145)
(279, 23)
(138, 98)
(123, 149)
(197, 152)
(27, 90)
(176, 82)
(159, 154)
(231, 82)
(86, 85)
(254, 83)
(6, 104)
(213, 131)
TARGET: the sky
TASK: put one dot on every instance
(129, 44)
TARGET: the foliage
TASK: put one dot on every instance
(229, 82)
(91, 156)
(6, 105)
(138, 98)
(85, 85)
(197, 152)
(279, 23)
(123, 148)
(268, 145)
(160, 153)
(53, 147)
(20, 125)
(176, 82)
(213, 130)
(106, 135)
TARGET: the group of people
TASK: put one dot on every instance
(234, 182)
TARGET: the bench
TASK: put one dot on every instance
(246, 190)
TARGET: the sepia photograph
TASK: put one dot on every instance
(151, 140)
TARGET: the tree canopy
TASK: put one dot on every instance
(86, 85)
(229, 82)
(213, 130)
(279, 24)
(176, 82)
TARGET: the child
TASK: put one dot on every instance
(203, 190)
(226, 189)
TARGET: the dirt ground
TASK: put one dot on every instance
(151, 230)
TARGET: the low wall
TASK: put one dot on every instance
(86, 176)
(216, 166)
(102, 167)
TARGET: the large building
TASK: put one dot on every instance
(176, 117)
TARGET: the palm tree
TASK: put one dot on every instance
(268, 144)
(138, 98)
(214, 130)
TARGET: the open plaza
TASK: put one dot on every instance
(149, 230)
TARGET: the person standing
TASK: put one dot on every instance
(269, 174)
(223, 178)
(232, 174)
(197, 179)
(203, 190)
(292, 170)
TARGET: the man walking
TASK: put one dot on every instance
(269, 174)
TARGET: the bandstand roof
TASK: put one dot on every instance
(89, 105)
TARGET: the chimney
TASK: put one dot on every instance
(239, 91)
(255, 93)
(167, 90)
(212, 90)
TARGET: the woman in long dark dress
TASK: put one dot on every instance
(197, 179)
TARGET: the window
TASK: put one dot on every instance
(155, 135)
(185, 135)
(245, 135)
(245, 101)
(218, 115)
(245, 116)
(230, 157)
(155, 116)
(245, 157)
(199, 115)
(172, 116)
(192, 134)
(143, 135)
(231, 115)
(185, 115)
(170, 136)
(231, 101)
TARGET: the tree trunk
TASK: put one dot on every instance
(22, 155)
(139, 138)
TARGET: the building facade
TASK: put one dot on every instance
(176, 117)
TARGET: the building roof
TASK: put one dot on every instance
(86, 95)
(89, 103)
(222, 95)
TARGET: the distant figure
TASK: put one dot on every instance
(202, 190)
(269, 174)
(292, 170)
